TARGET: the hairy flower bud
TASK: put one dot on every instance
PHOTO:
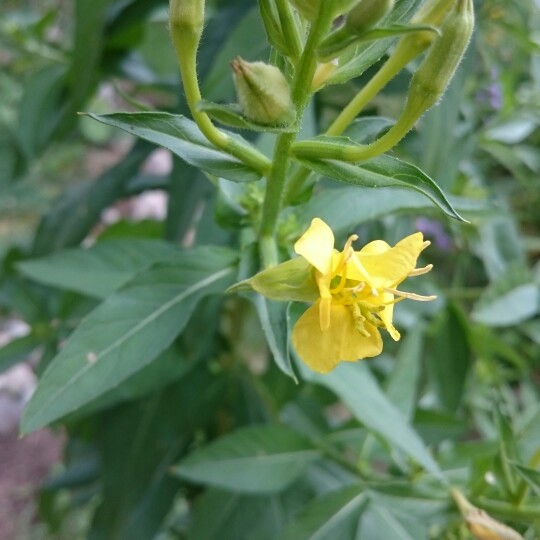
(263, 92)
(431, 79)
(366, 14)
(186, 20)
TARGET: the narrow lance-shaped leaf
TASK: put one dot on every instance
(330, 517)
(182, 137)
(100, 269)
(344, 208)
(359, 390)
(384, 171)
(260, 459)
(125, 333)
(273, 316)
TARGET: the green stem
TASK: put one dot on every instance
(187, 59)
(301, 93)
(290, 29)
(405, 52)
(388, 71)
(325, 150)
(506, 510)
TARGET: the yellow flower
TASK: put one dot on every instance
(357, 293)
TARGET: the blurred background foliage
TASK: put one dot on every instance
(465, 375)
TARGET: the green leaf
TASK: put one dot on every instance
(18, 350)
(76, 212)
(396, 30)
(188, 191)
(384, 171)
(345, 208)
(423, 501)
(274, 322)
(90, 18)
(231, 115)
(355, 61)
(169, 366)
(222, 515)
(501, 245)
(182, 137)
(272, 25)
(510, 299)
(531, 476)
(39, 109)
(339, 42)
(100, 269)
(513, 130)
(366, 129)
(358, 389)
(380, 522)
(136, 488)
(331, 517)
(403, 382)
(125, 333)
(436, 427)
(450, 350)
(260, 459)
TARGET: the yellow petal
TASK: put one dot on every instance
(323, 350)
(385, 266)
(375, 248)
(316, 245)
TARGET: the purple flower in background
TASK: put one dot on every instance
(492, 94)
(435, 231)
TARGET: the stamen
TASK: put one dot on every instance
(359, 287)
(359, 320)
(426, 244)
(341, 284)
(420, 271)
(411, 296)
(346, 255)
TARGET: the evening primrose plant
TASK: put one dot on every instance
(256, 376)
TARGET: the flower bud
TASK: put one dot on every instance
(432, 13)
(482, 525)
(431, 79)
(263, 92)
(186, 20)
(366, 14)
(288, 281)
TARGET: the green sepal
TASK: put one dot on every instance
(289, 281)
(231, 115)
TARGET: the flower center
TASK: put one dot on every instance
(353, 293)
